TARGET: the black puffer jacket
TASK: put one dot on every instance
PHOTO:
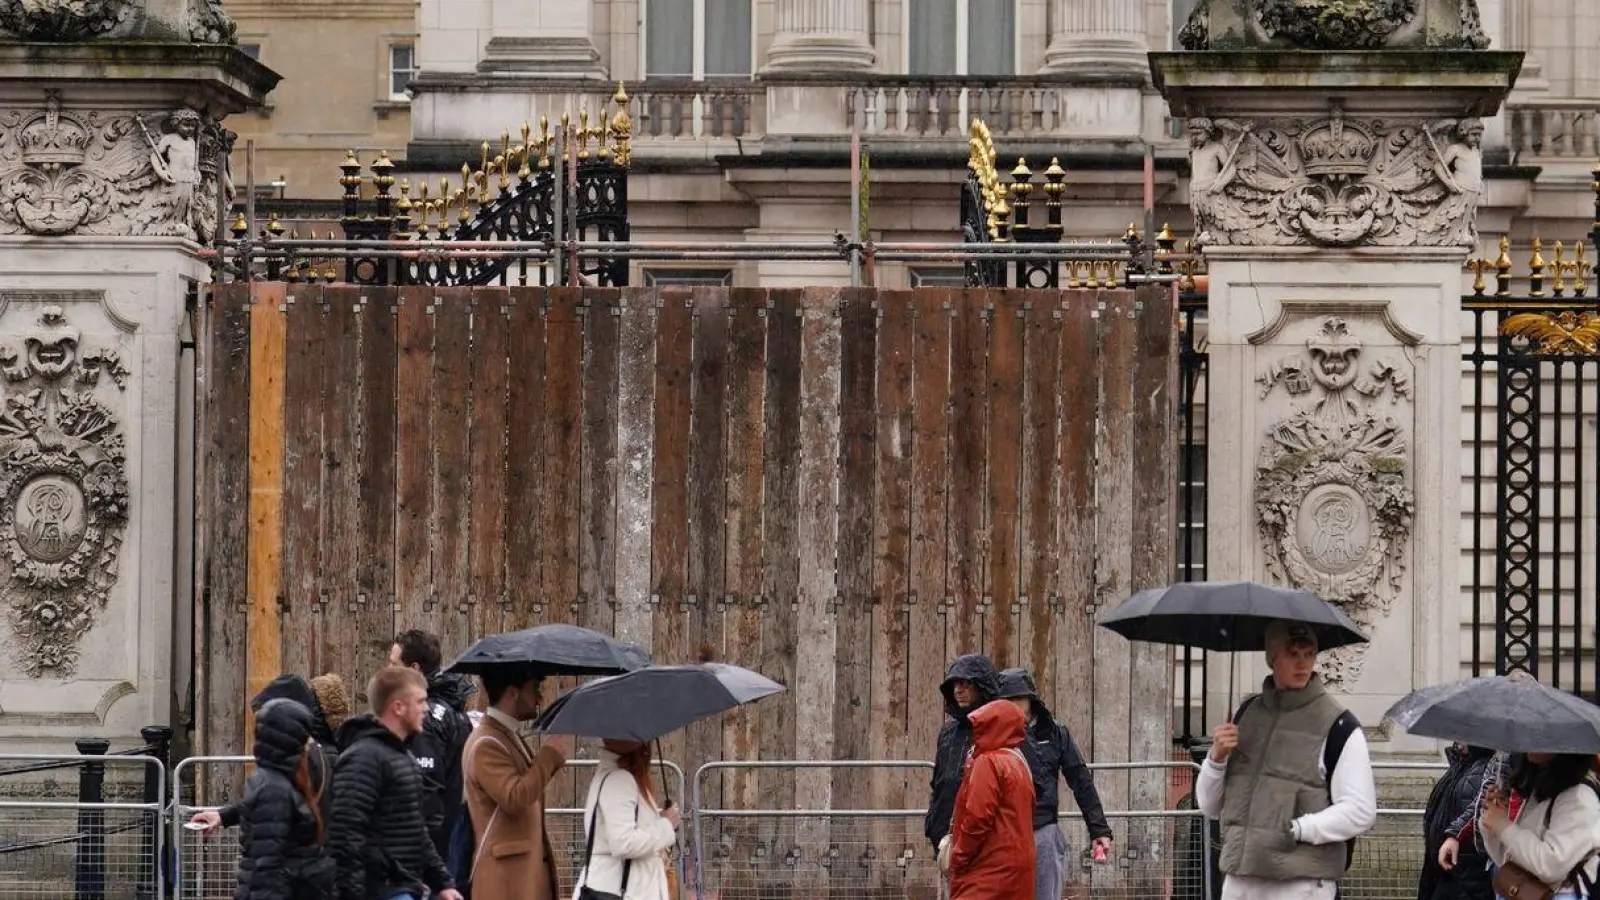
(438, 753)
(954, 739)
(1052, 754)
(1454, 794)
(278, 833)
(377, 835)
(323, 754)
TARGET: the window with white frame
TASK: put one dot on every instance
(1192, 513)
(697, 38)
(961, 37)
(251, 50)
(402, 68)
(674, 277)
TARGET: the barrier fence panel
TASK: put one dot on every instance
(1388, 859)
(205, 865)
(89, 834)
(564, 825)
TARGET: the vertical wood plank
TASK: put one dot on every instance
(1114, 476)
(597, 537)
(968, 376)
(853, 661)
(525, 461)
(306, 323)
(930, 496)
(1004, 453)
(376, 564)
(490, 379)
(1074, 588)
(1040, 484)
(747, 360)
(341, 505)
(451, 430)
(669, 490)
(636, 392)
(227, 508)
(268, 335)
(414, 473)
(563, 436)
(707, 494)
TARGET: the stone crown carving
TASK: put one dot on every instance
(1336, 181)
(1333, 25)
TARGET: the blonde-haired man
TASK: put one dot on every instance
(377, 835)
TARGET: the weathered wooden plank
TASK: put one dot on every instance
(490, 379)
(747, 360)
(376, 566)
(858, 455)
(1040, 486)
(708, 487)
(341, 510)
(414, 585)
(780, 566)
(891, 572)
(597, 527)
(1073, 590)
(268, 334)
(563, 410)
(636, 391)
(525, 476)
(306, 347)
(669, 490)
(226, 503)
(968, 376)
(1114, 477)
(930, 496)
(1004, 453)
(451, 429)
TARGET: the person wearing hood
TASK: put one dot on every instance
(1290, 779)
(280, 838)
(1466, 876)
(991, 833)
(377, 835)
(970, 682)
(444, 732)
(1052, 754)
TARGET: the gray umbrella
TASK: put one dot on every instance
(645, 704)
(556, 649)
(1518, 715)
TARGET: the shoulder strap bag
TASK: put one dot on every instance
(585, 892)
(1513, 882)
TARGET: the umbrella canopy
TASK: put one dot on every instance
(551, 650)
(1518, 715)
(1227, 616)
(647, 703)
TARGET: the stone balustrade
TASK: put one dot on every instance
(1554, 130)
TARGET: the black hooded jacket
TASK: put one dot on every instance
(323, 755)
(377, 835)
(438, 753)
(1052, 754)
(954, 739)
(1454, 793)
(278, 830)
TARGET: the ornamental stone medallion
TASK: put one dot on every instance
(63, 491)
(1333, 500)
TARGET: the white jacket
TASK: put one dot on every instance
(1551, 854)
(621, 837)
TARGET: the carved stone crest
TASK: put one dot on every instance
(1332, 500)
(1336, 181)
(1335, 24)
(70, 172)
(64, 20)
(1332, 25)
(63, 490)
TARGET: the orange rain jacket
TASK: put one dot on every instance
(991, 853)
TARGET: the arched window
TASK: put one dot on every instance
(697, 38)
(961, 37)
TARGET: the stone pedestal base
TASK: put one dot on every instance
(548, 57)
(814, 53)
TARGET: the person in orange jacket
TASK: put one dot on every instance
(991, 851)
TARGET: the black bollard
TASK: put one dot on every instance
(89, 873)
(158, 743)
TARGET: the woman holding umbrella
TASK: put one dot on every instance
(1553, 842)
(628, 835)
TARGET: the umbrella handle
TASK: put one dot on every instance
(666, 787)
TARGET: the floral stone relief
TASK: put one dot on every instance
(1333, 503)
(82, 172)
(75, 21)
(63, 491)
(1332, 25)
(1336, 181)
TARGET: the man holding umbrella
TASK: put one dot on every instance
(1290, 780)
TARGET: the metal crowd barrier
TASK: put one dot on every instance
(85, 847)
(564, 825)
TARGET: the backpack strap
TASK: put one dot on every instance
(1239, 713)
(1339, 735)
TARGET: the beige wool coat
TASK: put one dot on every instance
(505, 785)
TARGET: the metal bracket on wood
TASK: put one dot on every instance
(655, 599)
(578, 604)
(728, 601)
(504, 602)
(323, 599)
(688, 603)
(432, 603)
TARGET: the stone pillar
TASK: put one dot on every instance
(116, 179)
(1097, 37)
(818, 36)
(548, 38)
(1334, 325)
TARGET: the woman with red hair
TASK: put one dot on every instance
(627, 834)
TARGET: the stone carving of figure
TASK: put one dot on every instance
(1213, 165)
(176, 160)
(1460, 166)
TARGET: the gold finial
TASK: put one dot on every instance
(1166, 237)
(583, 134)
(544, 141)
(1580, 272)
(1594, 176)
(275, 227)
(445, 198)
(505, 161)
(1502, 269)
(465, 197)
(1021, 172)
(1559, 267)
(1132, 234)
(1536, 265)
(239, 227)
(1477, 266)
(621, 128)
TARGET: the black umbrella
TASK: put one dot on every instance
(647, 703)
(1228, 617)
(551, 650)
(1518, 715)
